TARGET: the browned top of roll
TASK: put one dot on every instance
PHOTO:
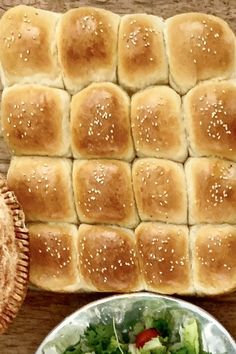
(212, 190)
(100, 124)
(157, 200)
(210, 111)
(214, 261)
(35, 120)
(164, 257)
(107, 258)
(53, 260)
(103, 192)
(43, 188)
(157, 124)
(141, 54)
(26, 38)
(87, 41)
(200, 47)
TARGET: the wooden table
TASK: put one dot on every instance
(42, 311)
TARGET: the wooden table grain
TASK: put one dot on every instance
(42, 311)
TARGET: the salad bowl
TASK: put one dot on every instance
(133, 313)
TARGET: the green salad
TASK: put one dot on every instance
(169, 331)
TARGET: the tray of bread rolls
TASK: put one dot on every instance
(122, 131)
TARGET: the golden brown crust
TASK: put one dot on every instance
(87, 43)
(103, 192)
(108, 259)
(14, 256)
(157, 200)
(199, 47)
(100, 125)
(141, 54)
(163, 252)
(43, 188)
(35, 120)
(157, 125)
(211, 190)
(53, 258)
(28, 48)
(213, 258)
(210, 111)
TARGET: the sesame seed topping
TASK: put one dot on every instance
(215, 123)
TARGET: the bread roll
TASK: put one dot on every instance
(163, 252)
(199, 47)
(43, 187)
(156, 198)
(157, 124)
(142, 59)
(108, 259)
(28, 47)
(210, 111)
(53, 257)
(87, 46)
(211, 190)
(35, 120)
(87, 50)
(213, 258)
(103, 192)
(100, 125)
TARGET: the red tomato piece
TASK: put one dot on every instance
(145, 336)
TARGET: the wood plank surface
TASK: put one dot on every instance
(42, 311)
